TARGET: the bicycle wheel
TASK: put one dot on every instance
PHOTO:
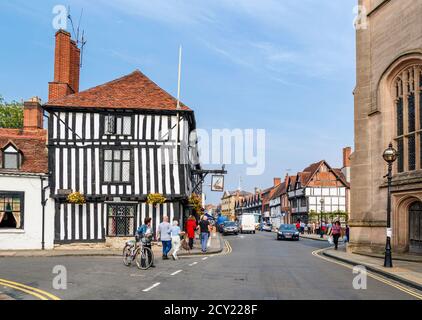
(144, 258)
(127, 257)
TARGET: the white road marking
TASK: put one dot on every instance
(205, 258)
(137, 275)
(193, 263)
(152, 287)
(176, 272)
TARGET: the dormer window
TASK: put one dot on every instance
(117, 125)
(12, 157)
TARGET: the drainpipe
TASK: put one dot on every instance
(43, 203)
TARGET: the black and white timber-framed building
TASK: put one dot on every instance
(114, 143)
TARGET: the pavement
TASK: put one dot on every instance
(253, 266)
(215, 247)
(406, 272)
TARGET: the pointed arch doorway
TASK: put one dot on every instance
(415, 227)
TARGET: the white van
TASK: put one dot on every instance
(247, 223)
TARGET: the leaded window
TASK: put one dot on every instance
(408, 111)
(121, 220)
(118, 125)
(117, 166)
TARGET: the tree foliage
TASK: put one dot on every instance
(11, 114)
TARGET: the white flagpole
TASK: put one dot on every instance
(179, 77)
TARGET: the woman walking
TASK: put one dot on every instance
(336, 232)
(175, 233)
(190, 229)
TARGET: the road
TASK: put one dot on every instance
(258, 267)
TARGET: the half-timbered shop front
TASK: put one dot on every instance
(114, 145)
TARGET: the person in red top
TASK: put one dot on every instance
(336, 232)
(298, 225)
(190, 229)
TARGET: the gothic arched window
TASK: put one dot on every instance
(408, 100)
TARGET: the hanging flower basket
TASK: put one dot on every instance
(196, 202)
(76, 198)
(155, 199)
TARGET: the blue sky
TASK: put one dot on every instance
(286, 66)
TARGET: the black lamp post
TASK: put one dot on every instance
(389, 155)
(320, 223)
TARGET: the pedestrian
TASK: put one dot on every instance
(146, 235)
(309, 227)
(175, 234)
(190, 229)
(347, 233)
(336, 233)
(205, 228)
(164, 236)
(302, 227)
(298, 225)
(313, 227)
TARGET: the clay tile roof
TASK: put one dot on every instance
(32, 144)
(133, 91)
(279, 190)
(341, 176)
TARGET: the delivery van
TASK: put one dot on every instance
(247, 223)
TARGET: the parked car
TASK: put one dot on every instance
(266, 226)
(287, 232)
(230, 227)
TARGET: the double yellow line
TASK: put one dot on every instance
(229, 248)
(316, 253)
(35, 292)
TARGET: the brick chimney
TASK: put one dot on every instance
(277, 181)
(346, 156)
(66, 67)
(32, 114)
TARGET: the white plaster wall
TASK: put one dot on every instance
(30, 236)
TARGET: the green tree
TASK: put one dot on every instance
(11, 114)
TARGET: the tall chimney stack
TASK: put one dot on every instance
(277, 181)
(346, 157)
(32, 114)
(66, 67)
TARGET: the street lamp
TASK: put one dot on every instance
(389, 155)
(320, 223)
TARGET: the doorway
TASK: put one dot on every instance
(415, 227)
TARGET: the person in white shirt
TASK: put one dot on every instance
(175, 234)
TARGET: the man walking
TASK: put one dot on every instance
(205, 229)
(164, 236)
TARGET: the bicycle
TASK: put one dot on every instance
(136, 251)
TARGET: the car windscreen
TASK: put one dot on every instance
(288, 227)
(230, 224)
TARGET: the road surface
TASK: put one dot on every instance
(256, 267)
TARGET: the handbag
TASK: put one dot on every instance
(330, 240)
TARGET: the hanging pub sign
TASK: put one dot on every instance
(217, 183)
